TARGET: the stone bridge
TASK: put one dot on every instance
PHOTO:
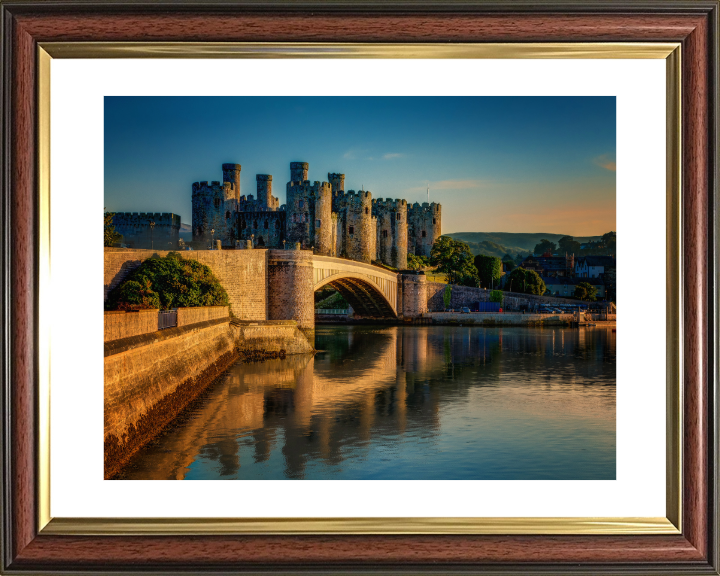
(280, 284)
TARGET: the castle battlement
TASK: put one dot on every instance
(317, 214)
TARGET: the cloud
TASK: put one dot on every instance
(350, 155)
(391, 156)
(605, 161)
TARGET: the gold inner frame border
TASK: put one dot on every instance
(671, 524)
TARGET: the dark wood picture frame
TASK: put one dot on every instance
(694, 24)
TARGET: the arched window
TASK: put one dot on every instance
(367, 210)
(397, 216)
(384, 233)
(227, 214)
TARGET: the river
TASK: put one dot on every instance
(389, 402)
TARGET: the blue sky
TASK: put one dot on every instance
(496, 164)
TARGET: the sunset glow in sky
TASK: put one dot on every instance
(496, 164)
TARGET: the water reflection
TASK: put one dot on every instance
(406, 403)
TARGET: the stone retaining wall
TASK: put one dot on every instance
(186, 316)
(243, 274)
(467, 296)
(121, 324)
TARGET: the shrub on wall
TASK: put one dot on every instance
(447, 296)
(169, 282)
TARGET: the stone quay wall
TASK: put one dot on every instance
(467, 296)
(138, 378)
(504, 319)
(271, 336)
(120, 324)
(242, 273)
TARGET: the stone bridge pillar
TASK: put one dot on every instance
(413, 293)
(290, 289)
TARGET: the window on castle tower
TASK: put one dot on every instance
(227, 214)
(267, 225)
(384, 235)
(277, 224)
(302, 204)
(424, 234)
(367, 210)
(254, 223)
(434, 222)
(397, 216)
(217, 202)
(317, 223)
(351, 230)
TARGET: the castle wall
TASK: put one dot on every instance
(137, 232)
(323, 225)
(268, 226)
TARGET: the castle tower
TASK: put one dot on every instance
(298, 171)
(231, 173)
(337, 182)
(359, 232)
(392, 232)
(323, 219)
(424, 227)
(264, 191)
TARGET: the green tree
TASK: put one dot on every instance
(545, 246)
(489, 270)
(585, 291)
(417, 262)
(169, 282)
(454, 259)
(497, 296)
(567, 244)
(111, 237)
(525, 282)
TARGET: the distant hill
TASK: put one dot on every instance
(186, 232)
(513, 243)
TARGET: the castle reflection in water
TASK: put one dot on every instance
(406, 403)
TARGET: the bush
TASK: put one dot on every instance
(169, 282)
(447, 296)
(497, 296)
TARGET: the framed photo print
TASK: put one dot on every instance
(361, 269)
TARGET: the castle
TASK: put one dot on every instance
(320, 216)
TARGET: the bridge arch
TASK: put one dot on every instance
(370, 290)
(366, 299)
